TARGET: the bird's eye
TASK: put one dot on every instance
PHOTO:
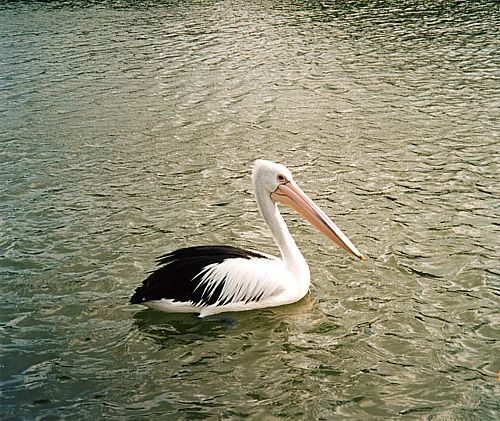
(281, 178)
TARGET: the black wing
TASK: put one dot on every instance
(181, 271)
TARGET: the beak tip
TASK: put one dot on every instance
(357, 254)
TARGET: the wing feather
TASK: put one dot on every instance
(212, 275)
(245, 280)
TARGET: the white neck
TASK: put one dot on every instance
(290, 253)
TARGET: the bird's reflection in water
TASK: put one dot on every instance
(186, 328)
(181, 328)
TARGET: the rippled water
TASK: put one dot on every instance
(127, 129)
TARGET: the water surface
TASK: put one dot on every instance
(128, 129)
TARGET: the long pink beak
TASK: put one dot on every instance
(291, 195)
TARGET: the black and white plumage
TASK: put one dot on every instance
(213, 276)
(215, 279)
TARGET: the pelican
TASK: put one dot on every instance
(216, 279)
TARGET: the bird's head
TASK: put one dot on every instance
(270, 175)
(277, 181)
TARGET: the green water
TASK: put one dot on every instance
(127, 129)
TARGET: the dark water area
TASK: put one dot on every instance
(128, 129)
